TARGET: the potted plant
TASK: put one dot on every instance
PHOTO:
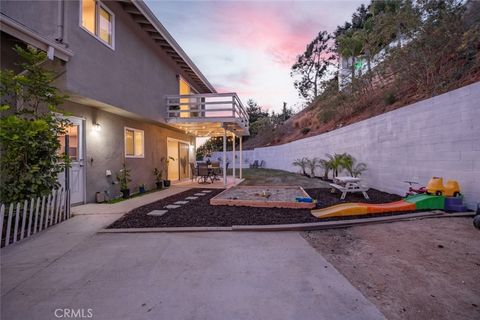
(158, 178)
(123, 178)
(165, 162)
(141, 188)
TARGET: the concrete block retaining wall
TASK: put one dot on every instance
(439, 136)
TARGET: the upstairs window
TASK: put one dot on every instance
(97, 19)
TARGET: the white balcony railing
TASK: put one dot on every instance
(221, 107)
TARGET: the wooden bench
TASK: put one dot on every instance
(350, 187)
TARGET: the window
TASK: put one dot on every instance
(134, 143)
(98, 20)
(72, 132)
(88, 15)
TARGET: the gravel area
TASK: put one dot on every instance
(199, 212)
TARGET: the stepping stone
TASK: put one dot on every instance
(172, 206)
(181, 202)
(200, 194)
(191, 198)
(206, 191)
(157, 213)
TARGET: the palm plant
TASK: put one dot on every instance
(353, 167)
(325, 164)
(358, 169)
(335, 163)
(312, 164)
(350, 46)
(302, 163)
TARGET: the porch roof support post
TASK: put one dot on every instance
(233, 157)
(241, 157)
(224, 157)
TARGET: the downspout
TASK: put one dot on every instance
(60, 21)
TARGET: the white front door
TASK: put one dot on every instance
(76, 151)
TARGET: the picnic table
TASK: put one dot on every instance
(349, 185)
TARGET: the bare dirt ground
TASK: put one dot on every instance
(424, 269)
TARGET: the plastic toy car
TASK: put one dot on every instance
(451, 188)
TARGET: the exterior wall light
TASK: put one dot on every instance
(96, 127)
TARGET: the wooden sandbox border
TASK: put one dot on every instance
(217, 201)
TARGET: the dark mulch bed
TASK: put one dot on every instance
(199, 212)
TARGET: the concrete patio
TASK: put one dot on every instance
(216, 184)
(127, 205)
(173, 276)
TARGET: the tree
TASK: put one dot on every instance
(370, 41)
(29, 130)
(254, 111)
(442, 37)
(302, 163)
(360, 17)
(394, 20)
(312, 164)
(211, 145)
(350, 45)
(325, 165)
(280, 118)
(261, 125)
(312, 66)
(353, 167)
(335, 163)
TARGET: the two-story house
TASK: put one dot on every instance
(134, 94)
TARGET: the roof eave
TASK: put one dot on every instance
(148, 14)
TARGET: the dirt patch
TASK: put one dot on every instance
(425, 269)
(264, 197)
(273, 177)
(199, 212)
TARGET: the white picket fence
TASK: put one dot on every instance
(25, 218)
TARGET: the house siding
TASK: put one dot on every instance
(135, 76)
(105, 149)
(117, 88)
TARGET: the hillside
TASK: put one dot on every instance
(442, 54)
(308, 119)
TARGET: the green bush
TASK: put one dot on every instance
(389, 98)
(306, 130)
(29, 130)
(123, 177)
(326, 114)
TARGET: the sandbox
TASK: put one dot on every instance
(263, 197)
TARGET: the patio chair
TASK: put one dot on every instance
(216, 170)
(262, 164)
(204, 173)
(254, 164)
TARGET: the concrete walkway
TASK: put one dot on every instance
(173, 276)
(127, 205)
(30, 256)
(217, 184)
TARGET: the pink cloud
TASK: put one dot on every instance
(248, 47)
(265, 27)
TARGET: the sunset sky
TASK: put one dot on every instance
(248, 47)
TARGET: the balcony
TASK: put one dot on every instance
(207, 115)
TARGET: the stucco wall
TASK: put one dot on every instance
(435, 137)
(135, 76)
(105, 149)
